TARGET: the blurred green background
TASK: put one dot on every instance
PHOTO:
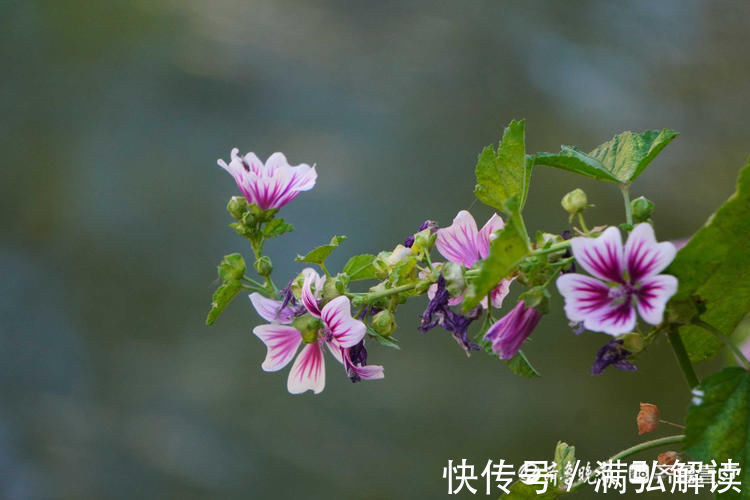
(112, 116)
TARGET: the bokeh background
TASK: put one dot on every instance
(112, 116)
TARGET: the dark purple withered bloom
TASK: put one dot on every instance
(613, 353)
(355, 363)
(508, 333)
(431, 224)
(439, 313)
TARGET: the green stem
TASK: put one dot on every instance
(553, 248)
(632, 451)
(682, 357)
(625, 189)
(371, 297)
(582, 222)
(727, 342)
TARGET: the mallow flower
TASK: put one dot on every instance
(508, 333)
(626, 279)
(462, 243)
(331, 325)
(269, 185)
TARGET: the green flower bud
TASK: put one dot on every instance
(308, 326)
(381, 264)
(642, 209)
(424, 240)
(237, 207)
(454, 278)
(537, 297)
(263, 266)
(633, 342)
(575, 201)
(330, 290)
(384, 323)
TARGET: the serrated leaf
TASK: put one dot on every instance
(714, 266)
(506, 251)
(320, 254)
(621, 159)
(504, 173)
(718, 423)
(520, 365)
(277, 227)
(232, 267)
(222, 297)
(360, 267)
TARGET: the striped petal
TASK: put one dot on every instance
(308, 371)
(645, 257)
(281, 341)
(270, 309)
(309, 298)
(458, 242)
(602, 256)
(653, 295)
(338, 319)
(593, 303)
(485, 234)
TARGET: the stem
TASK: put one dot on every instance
(667, 422)
(582, 222)
(553, 248)
(628, 209)
(632, 451)
(371, 297)
(682, 357)
(727, 342)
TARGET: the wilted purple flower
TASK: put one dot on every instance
(439, 313)
(628, 279)
(431, 224)
(269, 185)
(613, 353)
(509, 332)
(355, 364)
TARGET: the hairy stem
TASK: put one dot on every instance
(682, 357)
(373, 296)
(625, 189)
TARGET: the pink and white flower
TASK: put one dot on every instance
(338, 331)
(625, 279)
(462, 243)
(269, 185)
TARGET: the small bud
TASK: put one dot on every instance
(381, 264)
(575, 201)
(263, 266)
(237, 207)
(642, 209)
(384, 323)
(308, 326)
(454, 278)
(537, 297)
(648, 418)
(633, 342)
(330, 290)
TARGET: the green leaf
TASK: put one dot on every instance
(384, 341)
(523, 491)
(277, 227)
(320, 254)
(506, 251)
(360, 267)
(713, 267)
(520, 365)
(506, 173)
(621, 159)
(222, 297)
(718, 424)
(232, 267)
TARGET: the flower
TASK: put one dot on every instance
(269, 185)
(331, 325)
(462, 243)
(438, 312)
(509, 332)
(612, 353)
(626, 279)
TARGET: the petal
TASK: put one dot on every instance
(653, 296)
(335, 349)
(590, 301)
(308, 371)
(483, 240)
(498, 294)
(644, 256)
(270, 309)
(282, 342)
(615, 319)
(602, 256)
(309, 298)
(338, 319)
(277, 183)
(458, 242)
(369, 372)
(240, 171)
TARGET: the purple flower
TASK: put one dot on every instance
(338, 331)
(628, 279)
(355, 364)
(269, 185)
(509, 332)
(438, 312)
(612, 353)
(463, 243)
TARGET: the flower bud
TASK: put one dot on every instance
(308, 326)
(575, 201)
(263, 266)
(384, 322)
(633, 342)
(330, 290)
(422, 287)
(237, 207)
(642, 209)
(454, 278)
